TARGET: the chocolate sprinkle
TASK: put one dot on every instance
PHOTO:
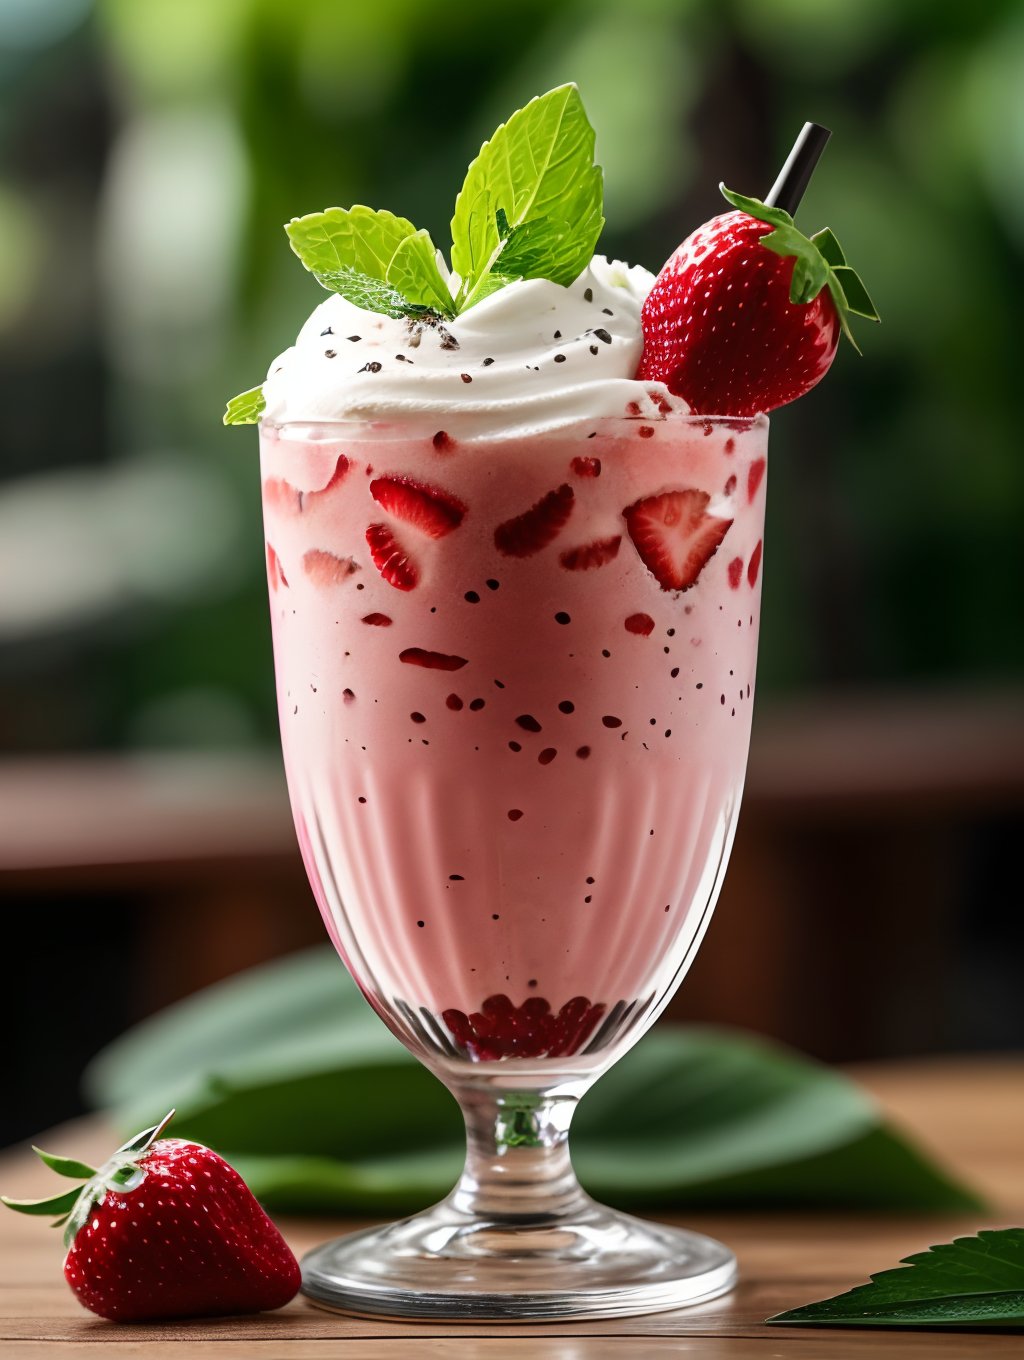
(588, 295)
(372, 367)
(330, 353)
(603, 335)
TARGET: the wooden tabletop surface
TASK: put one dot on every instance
(969, 1112)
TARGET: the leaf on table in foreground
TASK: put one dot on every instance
(972, 1282)
(289, 1071)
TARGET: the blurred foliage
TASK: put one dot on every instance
(150, 152)
(254, 1067)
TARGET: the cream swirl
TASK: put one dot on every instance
(533, 355)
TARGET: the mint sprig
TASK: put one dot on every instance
(355, 251)
(819, 262)
(530, 208)
(246, 408)
(973, 1283)
(539, 166)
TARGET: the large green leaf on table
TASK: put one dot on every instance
(287, 1071)
(975, 1283)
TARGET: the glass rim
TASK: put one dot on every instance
(416, 425)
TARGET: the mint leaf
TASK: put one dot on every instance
(356, 238)
(344, 245)
(414, 272)
(373, 295)
(540, 164)
(972, 1282)
(534, 250)
(246, 408)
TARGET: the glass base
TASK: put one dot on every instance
(446, 1264)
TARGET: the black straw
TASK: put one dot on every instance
(795, 175)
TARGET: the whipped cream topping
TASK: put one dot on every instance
(532, 356)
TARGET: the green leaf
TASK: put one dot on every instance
(818, 263)
(65, 1166)
(972, 1282)
(414, 273)
(357, 238)
(373, 295)
(857, 300)
(56, 1204)
(356, 251)
(830, 248)
(246, 408)
(536, 249)
(540, 164)
(753, 207)
(810, 268)
(290, 1074)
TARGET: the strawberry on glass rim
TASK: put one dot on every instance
(166, 1228)
(746, 315)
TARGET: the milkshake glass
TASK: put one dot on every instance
(515, 763)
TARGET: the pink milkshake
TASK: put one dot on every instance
(515, 757)
(514, 516)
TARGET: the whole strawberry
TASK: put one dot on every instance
(746, 315)
(167, 1229)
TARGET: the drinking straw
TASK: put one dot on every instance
(795, 175)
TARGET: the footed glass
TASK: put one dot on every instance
(515, 681)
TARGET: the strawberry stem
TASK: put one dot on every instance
(122, 1171)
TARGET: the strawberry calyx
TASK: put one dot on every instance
(819, 262)
(122, 1172)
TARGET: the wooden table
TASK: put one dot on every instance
(969, 1112)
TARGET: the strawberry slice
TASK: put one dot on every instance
(275, 572)
(427, 508)
(754, 477)
(675, 536)
(339, 474)
(754, 565)
(327, 569)
(527, 533)
(279, 494)
(391, 559)
(589, 555)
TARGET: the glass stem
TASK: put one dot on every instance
(517, 1155)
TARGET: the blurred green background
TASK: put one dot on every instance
(150, 151)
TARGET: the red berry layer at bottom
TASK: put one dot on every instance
(533, 1030)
